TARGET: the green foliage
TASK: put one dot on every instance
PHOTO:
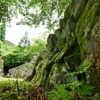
(39, 44)
(7, 10)
(16, 55)
(2, 32)
(13, 56)
(44, 12)
(9, 96)
(13, 60)
(35, 12)
(11, 85)
(85, 90)
(6, 49)
(74, 90)
(9, 43)
(11, 82)
(27, 92)
(82, 68)
(59, 93)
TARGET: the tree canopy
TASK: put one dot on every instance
(34, 11)
(2, 32)
(7, 10)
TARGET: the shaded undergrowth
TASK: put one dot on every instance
(17, 89)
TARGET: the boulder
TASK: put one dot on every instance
(25, 71)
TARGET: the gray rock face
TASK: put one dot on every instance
(24, 71)
(20, 71)
(51, 42)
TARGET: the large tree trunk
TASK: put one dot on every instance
(77, 40)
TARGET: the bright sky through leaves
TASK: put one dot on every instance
(16, 32)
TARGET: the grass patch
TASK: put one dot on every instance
(12, 83)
